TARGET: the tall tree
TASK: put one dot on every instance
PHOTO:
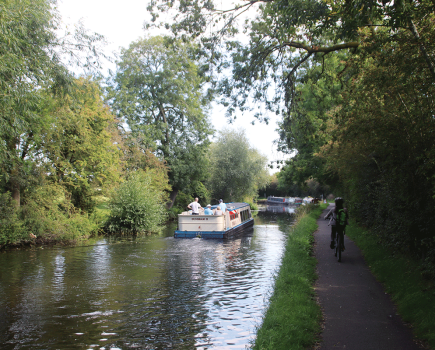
(302, 129)
(30, 60)
(283, 35)
(160, 92)
(382, 139)
(237, 169)
(78, 147)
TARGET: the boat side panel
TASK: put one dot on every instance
(214, 234)
(201, 223)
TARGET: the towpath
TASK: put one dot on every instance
(357, 313)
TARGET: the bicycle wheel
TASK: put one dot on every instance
(339, 246)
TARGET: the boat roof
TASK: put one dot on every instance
(236, 205)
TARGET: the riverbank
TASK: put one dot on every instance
(293, 318)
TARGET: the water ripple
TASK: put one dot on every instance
(154, 292)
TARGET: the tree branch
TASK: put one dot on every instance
(422, 48)
(315, 49)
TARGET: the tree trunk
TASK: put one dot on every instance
(423, 50)
(14, 179)
(15, 187)
(172, 197)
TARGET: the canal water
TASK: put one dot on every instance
(153, 292)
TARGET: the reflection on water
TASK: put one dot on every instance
(153, 292)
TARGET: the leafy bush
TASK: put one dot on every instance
(182, 200)
(252, 204)
(137, 206)
(11, 228)
(49, 214)
(173, 213)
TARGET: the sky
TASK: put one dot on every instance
(121, 22)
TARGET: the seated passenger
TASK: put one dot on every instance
(218, 211)
(207, 210)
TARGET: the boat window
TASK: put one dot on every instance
(245, 214)
(233, 215)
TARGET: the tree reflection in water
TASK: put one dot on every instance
(152, 292)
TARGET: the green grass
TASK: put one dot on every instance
(402, 279)
(292, 320)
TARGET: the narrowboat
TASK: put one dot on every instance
(298, 200)
(278, 200)
(236, 218)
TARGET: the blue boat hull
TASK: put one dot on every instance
(215, 234)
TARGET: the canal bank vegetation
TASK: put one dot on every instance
(402, 278)
(80, 157)
(138, 205)
(293, 317)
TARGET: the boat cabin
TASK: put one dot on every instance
(235, 219)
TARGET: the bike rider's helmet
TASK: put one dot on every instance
(339, 202)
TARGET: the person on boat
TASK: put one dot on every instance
(218, 211)
(222, 205)
(195, 207)
(207, 210)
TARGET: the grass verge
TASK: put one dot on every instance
(402, 279)
(292, 320)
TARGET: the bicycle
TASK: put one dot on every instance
(339, 244)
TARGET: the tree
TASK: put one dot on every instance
(30, 61)
(302, 129)
(78, 147)
(159, 91)
(237, 169)
(284, 35)
(382, 140)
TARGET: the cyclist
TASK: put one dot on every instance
(332, 215)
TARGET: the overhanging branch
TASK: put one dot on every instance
(315, 49)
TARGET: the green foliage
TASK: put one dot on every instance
(137, 205)
(271, 189)
(30, 64)
(27, 61)
(48, 213)
(253, 205)
(77, 143)
(183, 200)
(55, 132)
(383, 140)
(302, 129)
(237, 170)
(158, 90)
(11, 228)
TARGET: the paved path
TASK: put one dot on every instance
(357, 312)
